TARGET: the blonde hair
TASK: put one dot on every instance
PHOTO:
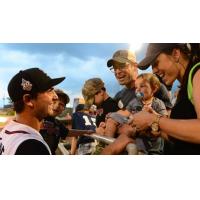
(151, 79)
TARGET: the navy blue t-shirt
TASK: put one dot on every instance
(83, 121)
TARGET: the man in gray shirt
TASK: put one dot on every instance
(124, 66)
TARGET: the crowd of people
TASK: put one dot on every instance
(142, 113)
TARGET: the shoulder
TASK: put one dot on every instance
(196, 73)
(110, 101)
(158, 101)
(196, 92)
(159, 106)
(118, 94)
(110, 104)
(77, 115)
(195, 69)
(32, 147)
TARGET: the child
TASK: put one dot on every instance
(94, 93)
(82, 120)
(146, 86)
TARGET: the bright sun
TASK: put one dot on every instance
(135, 46)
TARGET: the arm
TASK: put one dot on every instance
(118, 146)
(172, 127)
(76, 132)
(73, 146)
(186, 130)
(196, 93)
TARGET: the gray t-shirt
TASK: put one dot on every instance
(136, 105)
(124, 96)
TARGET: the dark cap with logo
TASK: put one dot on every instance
(153, 50)
(30, 81)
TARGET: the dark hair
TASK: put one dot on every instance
(19, 105)
(191, 52)
(62, 96)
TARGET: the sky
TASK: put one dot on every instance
(76, 61)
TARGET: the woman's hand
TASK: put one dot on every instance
(126, 130)
(142, 120)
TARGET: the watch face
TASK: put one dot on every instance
(154, 126)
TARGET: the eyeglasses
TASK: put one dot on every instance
(121, 67)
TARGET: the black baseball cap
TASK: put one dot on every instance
(153, 50)
(29, 81)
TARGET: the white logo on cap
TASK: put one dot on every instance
(27, 86)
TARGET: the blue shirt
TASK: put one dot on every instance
(83, 121)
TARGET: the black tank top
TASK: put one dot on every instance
(183, 109)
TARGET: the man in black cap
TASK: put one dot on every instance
(124, 66)
(32, 93)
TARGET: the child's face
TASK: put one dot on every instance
(144, 87)
(98, 98)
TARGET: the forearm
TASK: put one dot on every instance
(186, 130)
(118, 146)
(108, 150)
(76, 132)
(73, 146)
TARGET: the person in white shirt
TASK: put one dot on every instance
(32, 94)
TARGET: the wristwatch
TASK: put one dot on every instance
(155, 125)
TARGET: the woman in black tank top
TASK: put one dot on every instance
(174, 62)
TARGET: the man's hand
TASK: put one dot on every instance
(118, 146)
(142, 120)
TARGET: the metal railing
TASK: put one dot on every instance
(131, 148)
(62, 149)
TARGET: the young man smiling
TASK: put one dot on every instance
(32, 93)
